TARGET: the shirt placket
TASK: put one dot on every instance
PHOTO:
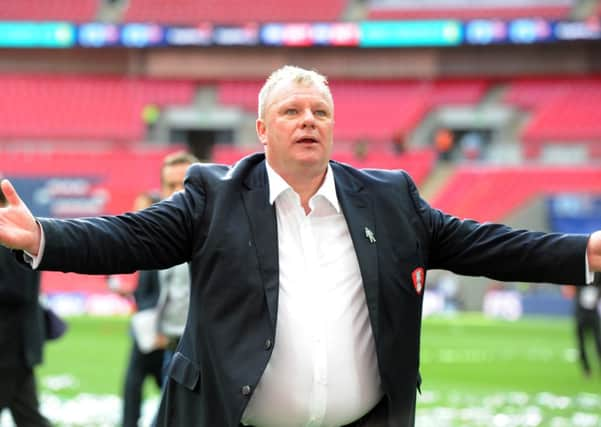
(315, 312)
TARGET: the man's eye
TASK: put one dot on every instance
(291, 111)
(321, 113)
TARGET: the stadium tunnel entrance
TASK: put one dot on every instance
(200, 142)
(201, 127)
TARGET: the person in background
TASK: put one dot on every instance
(167, 291)
(307, 274)
(588, 322)
(141, 364)
(399, 141)
(444, 141)
(22, 335)
(174, 282)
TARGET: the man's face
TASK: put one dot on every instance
(172, 179)
(142, 202)
(297, 129)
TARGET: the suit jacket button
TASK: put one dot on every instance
(268, 344)
(245, 390)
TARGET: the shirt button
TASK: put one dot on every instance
(245, 390)
(268, 344)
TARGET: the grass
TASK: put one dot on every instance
(480, 372)
(94, 351)
(476, 371)
(475, 353)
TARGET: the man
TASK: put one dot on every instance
(141, 364)
(168, 291)
(307, 274)
(587, 301)
(21, 339)
(174, 296)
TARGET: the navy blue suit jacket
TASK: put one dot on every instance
(224, 226)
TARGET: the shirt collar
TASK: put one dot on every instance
(327, 190)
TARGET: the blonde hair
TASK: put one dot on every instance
(298, 75)
(178, 158)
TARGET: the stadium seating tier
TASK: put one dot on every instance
(82, 107)
(232, 11)
(49, 10)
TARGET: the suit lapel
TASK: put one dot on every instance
(263, 224)
(357, 207)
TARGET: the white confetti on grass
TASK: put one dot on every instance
(86, 410)
(60, 382)
(517, 409)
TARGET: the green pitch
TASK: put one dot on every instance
(482, 372)
(476, 372)
(93, 352)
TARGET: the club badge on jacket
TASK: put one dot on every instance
(417, 276)
(369, 235)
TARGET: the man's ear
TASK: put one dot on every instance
(262, 131)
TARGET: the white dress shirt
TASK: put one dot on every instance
(323, 370)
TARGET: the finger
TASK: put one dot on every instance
(9, 192)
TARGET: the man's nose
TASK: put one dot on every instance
(308, 118)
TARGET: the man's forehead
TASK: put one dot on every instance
(290, 91)
(173, 171)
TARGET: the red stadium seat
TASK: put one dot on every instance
(49, 10)
(492, 193)
(466, 13)
(232, 11)
(562, 111)
(78, 107)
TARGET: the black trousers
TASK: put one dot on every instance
(18, 394)
(140, 366)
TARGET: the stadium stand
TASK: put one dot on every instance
(49, 10)
(82, 107)
(562, 111)
(486, 193)
(464, 9)
(384, 107)
(232, 11)
(111, 169)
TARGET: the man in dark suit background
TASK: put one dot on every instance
(587, 302)
(307, 274)
(21, 339)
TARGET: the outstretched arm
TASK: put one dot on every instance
(593, 251)
(18, 227)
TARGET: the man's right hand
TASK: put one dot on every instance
(18, 227)
(161, 341)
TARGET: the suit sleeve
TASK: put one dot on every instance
(497, 251)
(18, 284)
(155, 238)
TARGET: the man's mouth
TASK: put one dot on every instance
(307, 140)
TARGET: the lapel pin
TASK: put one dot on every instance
(370, 235)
